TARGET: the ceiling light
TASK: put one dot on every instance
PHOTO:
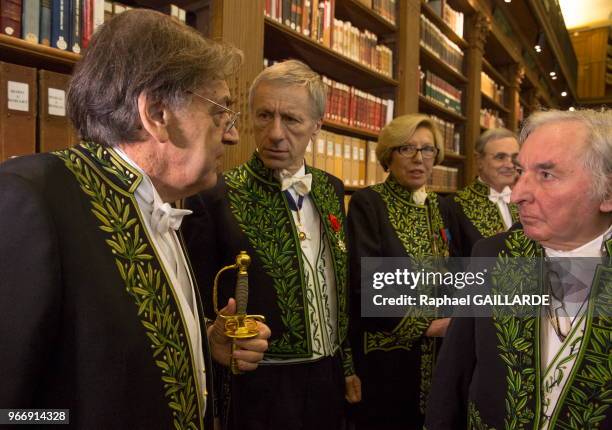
(563, 93)
(508, 1)
(572, 109)
(539, 45)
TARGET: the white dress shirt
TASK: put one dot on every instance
(502, 200)
(161, 222)
(319, 276)
(559, 356)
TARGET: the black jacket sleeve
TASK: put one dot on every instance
(30, 290)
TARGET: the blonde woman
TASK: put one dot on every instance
(394, 357)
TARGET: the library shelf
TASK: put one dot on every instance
(490, 103)
(281, 42)
(349, 129)
(490, 70)
(430, 106)
(363, 17)
(443, 26)
(430, 61)
(18, 51)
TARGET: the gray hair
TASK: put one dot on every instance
(491, 135)
(141, 51)
(294, 72)
(598, 157)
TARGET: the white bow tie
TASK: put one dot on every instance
(301, 184)
(504, 196)
(164, 217)
(419, 196)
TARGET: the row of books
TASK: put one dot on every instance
(440, 91)
(34, 104)
(453, 18)
(444, 179)
(450, 137)
(315, 19)
(490, 118)
(362, 46)
(351, 106)
(345, 157)
(384, 8)
(63, 24)
(491, 88)
(312, 18)
(441, 46)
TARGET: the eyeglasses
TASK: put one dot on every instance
(233, 116)
(410, 151)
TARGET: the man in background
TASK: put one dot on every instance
(483, 208)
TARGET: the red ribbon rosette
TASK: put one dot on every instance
(335, 224)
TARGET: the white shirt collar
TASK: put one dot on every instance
(590, 249)
(278, 174)
(160, 215)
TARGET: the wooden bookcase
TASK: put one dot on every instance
(243, 23)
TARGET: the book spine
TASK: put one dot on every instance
(45, 22)
(31, 20)
(75, 34)
(60, 24)
(86, 22)
(10, 17)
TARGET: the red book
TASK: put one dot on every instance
(87, 22)
(10, 17)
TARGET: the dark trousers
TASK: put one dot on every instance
(307, 396)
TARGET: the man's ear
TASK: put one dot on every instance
(154, 117)
(606, 204)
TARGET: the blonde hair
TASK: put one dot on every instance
(397, 133)
(294, 72)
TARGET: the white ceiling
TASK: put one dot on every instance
(583, 13)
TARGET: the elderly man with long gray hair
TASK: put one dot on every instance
(99, 312)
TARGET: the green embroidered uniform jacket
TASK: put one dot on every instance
(474, 216)
(247, 211)
(88, 318)
(489, 375)
(392, 357)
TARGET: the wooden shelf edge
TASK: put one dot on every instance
(448, 70)
(606, 100)
(381, 22)
(495, 103)
(444, 110)
(443, 26)
(338, 126)
(386, 80)
(497, 76)
(35, 50)
(453, 156)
